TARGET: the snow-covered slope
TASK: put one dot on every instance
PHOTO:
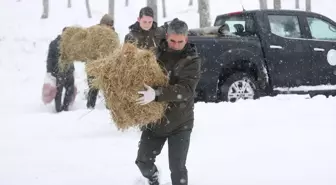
(273, 141)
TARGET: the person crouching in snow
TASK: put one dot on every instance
(60, 79)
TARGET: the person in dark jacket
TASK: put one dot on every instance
(106, 20)
(64, 79)
(145, 33)
(180, 59)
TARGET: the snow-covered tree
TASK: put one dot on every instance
(111, 8)
(277, 4)
(88, 8)
(308, 5)
(153, 5)
(204, 13)
(297, 4)
(164, 12)
(263, 4)
(45, 13)
(69, 4)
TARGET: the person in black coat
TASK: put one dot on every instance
(145, 33)
(183, 65)
(64, 79)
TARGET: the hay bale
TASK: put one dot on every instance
(86, 44)
(120, 76)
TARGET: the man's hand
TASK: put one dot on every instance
(148, 95)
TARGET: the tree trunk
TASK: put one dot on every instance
(297, 4)
(45, 13)
(263, 4)
(164, 12)
(88, 8)
(126, 3)
(191, 2)
(308, 6)
(153, 5)
(277, 4)
(69, 4)
(204, 13)
(111, 8)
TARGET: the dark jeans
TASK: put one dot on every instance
(151, 145)
(68, 83)
(92, 95)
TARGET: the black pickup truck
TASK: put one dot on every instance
(257, 53)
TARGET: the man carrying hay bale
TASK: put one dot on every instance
(145, 33)
(183, 65)
(108, 21)
(62, 79)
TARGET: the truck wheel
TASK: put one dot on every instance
(239, 86)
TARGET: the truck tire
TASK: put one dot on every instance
(238, 86)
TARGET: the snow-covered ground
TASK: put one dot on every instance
(283, 140)
(272, 141)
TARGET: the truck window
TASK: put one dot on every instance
(285, 25)
(321, 29)
(239, 25)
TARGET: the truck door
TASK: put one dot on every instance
(286, 53)
(322, 45)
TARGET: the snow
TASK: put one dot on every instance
(286, 140)
(306, 88)
(280, 140)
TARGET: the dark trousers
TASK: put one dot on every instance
(68, 83)
(92, 95)
(151, 145)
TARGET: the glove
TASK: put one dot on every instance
(148, 95)
(49, 79)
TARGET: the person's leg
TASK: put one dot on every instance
(58, 97)
(178, 146)
(92, 94)
(69, 90)
(150, 146)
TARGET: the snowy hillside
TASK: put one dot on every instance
(272, 141)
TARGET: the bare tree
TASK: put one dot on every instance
(153, 5)
(308, 5)
(45, 13)
(297, 4)
(277, 4)
(111, 8)
(69, 4)
(263, 4)
(191, 2)
(164, 12)
(126, 2)
(88, 8)
(204, 13)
